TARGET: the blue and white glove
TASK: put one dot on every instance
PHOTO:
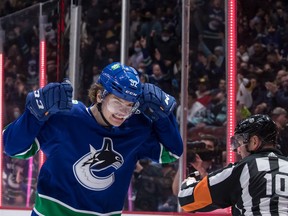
(50, 99)
(155, 103)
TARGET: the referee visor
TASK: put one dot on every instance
(239, 139)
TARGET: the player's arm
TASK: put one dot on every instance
(169, 138)
(158, 106)
(19, 137)
(210, 193)
(195, 196)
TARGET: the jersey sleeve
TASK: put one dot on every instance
(165, 143)
(211, 193)
(19, 137)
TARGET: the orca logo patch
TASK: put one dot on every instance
(91, 170)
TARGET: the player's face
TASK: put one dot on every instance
(116, 110)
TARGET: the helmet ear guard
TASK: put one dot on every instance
(104, 93)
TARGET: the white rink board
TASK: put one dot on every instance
(14, 212)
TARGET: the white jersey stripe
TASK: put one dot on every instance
(265, 206)
(214, 180)
(263, 164)
(246, 197)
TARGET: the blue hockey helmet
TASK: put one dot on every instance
(122, 81)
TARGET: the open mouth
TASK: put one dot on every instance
(119, 118)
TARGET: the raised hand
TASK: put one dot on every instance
(50, 99)
(155, 103)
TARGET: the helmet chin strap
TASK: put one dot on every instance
(99, 107)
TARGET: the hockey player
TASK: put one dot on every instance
(256, 185)
(91, 152)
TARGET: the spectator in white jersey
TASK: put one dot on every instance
(256, 185)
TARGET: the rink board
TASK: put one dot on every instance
(7, 212)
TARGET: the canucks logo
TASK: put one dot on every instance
(95, 169)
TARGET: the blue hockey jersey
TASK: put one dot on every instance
(88, 167)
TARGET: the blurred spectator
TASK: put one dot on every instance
(50, 35)
(160, 78)
(33, 72)
(9, 88)
(200, 68)
(93, 14)
(215, 112)
(216, 66)
(149, 25)
(168, 201)
(280, 15)
(279, 75)
(204, 156)
(137, 56)
(203, 91)
(144, 78)
(146, 64)
(222, 85)
(14, 181)
(20, 91)
(196, 24)
(135, 22)
(153, 186)
(279, 95)
(279, 116)
(112, 50)
(259, 94)
(244, 93)
(219, 58)
(213, 31)
(51, 54)
(257, 56)
(242, 53)
(95, 72)
(261, 108)
(147, 191)
(167, 46)
(193, 106)
(12, 113)
(207, 158)
(273, 38)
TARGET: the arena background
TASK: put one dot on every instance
(54, 43)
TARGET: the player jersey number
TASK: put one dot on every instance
(38, 101)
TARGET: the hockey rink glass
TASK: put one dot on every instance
(238, 140)
(117, 107)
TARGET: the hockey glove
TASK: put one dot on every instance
(50, 99)
(155, 103)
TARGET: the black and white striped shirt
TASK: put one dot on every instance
(257, 185)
